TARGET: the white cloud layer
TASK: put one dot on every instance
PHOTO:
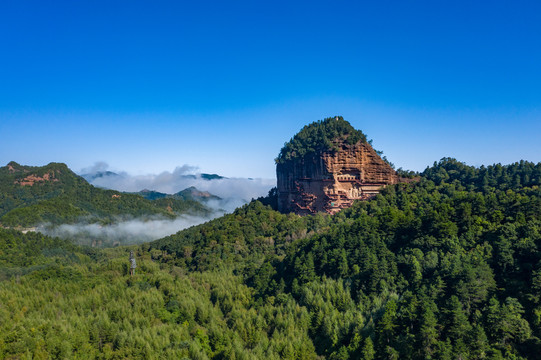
(234, 192)
(133, 231)
(242, 189)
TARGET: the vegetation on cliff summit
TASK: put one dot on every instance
(320, 135)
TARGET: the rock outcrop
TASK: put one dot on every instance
(330, 179)
(30, 180)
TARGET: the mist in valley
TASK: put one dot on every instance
(232, 193)
(123, 232)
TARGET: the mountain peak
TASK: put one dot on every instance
(327, 166)
(193, 193)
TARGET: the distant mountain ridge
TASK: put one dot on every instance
(211, 176)
(99, 174)
(227, 193)
(91, 177)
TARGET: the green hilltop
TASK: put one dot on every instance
(320, 135)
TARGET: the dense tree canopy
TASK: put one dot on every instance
(447, 267)
(321, 135)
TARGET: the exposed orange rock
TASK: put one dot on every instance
(331, 180)
(115, 196)
(30, 180)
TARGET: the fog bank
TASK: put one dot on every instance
(241, 189)
(127, 232)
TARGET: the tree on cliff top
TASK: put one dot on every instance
(320, 135)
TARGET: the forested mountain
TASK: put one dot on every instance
(54, 194)
(447, 267)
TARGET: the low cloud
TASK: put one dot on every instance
(234, 192)
(98, 166)
(127, 232)
(241, 189)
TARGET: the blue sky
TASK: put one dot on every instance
(149, 86)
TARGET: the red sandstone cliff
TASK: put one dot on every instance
(331, 180)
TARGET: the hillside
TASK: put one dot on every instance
(54, 194)
(448, 267)
(63, 301)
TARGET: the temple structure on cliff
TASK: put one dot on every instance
(332, 173)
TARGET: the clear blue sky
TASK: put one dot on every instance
(148, 86)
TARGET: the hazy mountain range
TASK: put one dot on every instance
(92, 209)
(230, 192)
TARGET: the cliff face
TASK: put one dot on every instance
(331, 180)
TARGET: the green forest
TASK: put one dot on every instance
(447, 267)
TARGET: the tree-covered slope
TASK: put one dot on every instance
(426, 271)
(445, 267)
(54, 194)
(238, 240)
(448, 267)
(62, 301)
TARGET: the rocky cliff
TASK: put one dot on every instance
(331, 175)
